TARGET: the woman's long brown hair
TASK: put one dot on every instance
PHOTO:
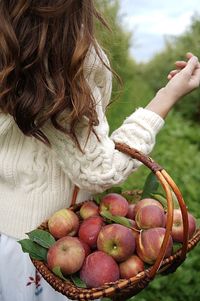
(43, 44)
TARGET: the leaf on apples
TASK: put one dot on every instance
(150, 186)
(97, 198)
(160, 198)
(117, 219)
(77, 281)
(42, 238)
(175, 200)
(115, 189)
(57, 271)
(34, 250)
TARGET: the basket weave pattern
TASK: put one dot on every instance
(123, 288)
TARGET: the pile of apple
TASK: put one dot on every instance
(101, 251)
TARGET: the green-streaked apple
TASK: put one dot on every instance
(177, 227)
(150, 216)
(146, 202)
(67, 253)
(131, 267)
(148, 244)
(89, 209)
(115, 203)
(117, 241)
(63, 222)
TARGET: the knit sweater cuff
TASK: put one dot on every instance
(143, 115)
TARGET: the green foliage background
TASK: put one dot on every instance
(178, 144)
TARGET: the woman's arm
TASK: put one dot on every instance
(101, 165)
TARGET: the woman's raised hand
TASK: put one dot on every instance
(182, 80)
(186, 76)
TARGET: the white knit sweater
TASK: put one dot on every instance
(35, 180)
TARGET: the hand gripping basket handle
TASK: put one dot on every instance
(168, 185)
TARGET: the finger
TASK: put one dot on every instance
(169, 76)
(180, 64)
(191, 65)
(189, 55)
(172, 73)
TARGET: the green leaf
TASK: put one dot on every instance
(160, 198)
(77, 281)
(150, 186)
(175, 200)
(115, 189)
(74, 278)
(98, 197)
(41, 237)
(34, 250)
(57, 271)
(117, 219)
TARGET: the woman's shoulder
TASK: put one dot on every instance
(98, 73)
(96, 58)
(6, 122)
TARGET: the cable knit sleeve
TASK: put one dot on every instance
(101, 166)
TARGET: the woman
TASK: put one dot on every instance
(55, 84)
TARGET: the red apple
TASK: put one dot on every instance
(89, 230)
(63, 222)
(177, 228)
(67, 253)
(117, 241)
(86, 247)
(131, 213)
(115, 203)
(89, 209)
(149, 242)
(131, 267)
(150, 216)
(99, 268)
(146, 202)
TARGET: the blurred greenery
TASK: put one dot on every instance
(178, 144)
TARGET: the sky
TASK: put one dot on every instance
(153, 20)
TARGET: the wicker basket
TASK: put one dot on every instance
(123, 288)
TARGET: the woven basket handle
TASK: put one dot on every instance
(167, 184)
